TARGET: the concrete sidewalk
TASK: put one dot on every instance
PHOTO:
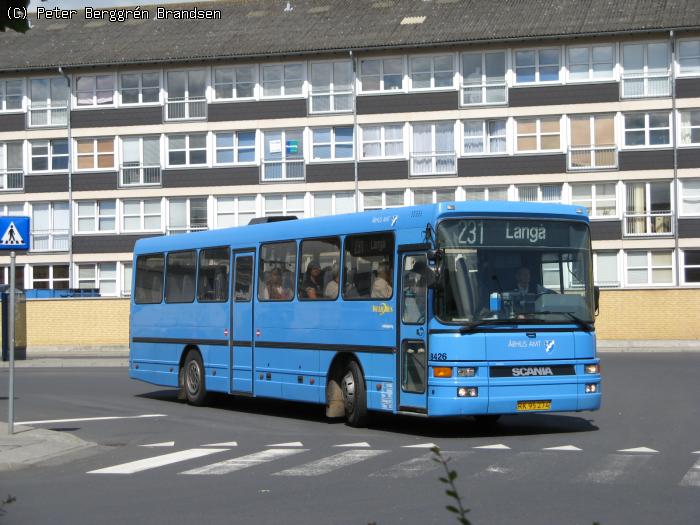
(30, 446)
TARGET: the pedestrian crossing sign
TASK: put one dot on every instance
(14, 233)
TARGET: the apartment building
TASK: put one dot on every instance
(310, 108)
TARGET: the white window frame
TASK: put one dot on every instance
(236, 213)
(96, 215)
(141, 215)
(236, 148)
(382, 142)
(188, 100)
(538, 134)
(50, 156)
(56, 116)
(537, 50)
(591, 63)
(332, 144)
(188, 150)
(595, 200)
(486, 192)
(645, 75)
(434, 192)
(140, 166)
(434, 154)
(333, 92)
(680, 72)
(647, 130)
(125, 282)
(234, 84)
(485, 138)
(94, 102)
(285, 206)
(540, 192)
(11, 179)
(382, 88)
(51, 279)
(140, 74)
(284, 160)
(383, 205)
(649, 268)
(53, 234)
(681, 192)
(607, 284)
(3, 95)
(75, 165)
(690, 127)
(685, 265)
(98, 276)
(432, 86)
(484, 84)
(334, 196)
(283, 88)
(189, 227)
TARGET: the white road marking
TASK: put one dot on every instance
(614, 466)
(226, 444)
(360, 444)
(157, 461)
(421, 445)
(415, 467)
(163, 444)
(692, 477)
(331, 463)
(564, 448)
(500, 446)
(643, 450)
(287, 445)
(75, 420)
(696, 452)
(243, 462)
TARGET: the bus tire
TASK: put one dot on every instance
(193, 384)
(354, 395)
(487, 420)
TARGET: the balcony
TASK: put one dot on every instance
(134, 174)
(276, 171)
(11, 180)
(592, 158)
(434, 163)
(47, 116)
(648, 224)
(49, 241)
(176, 230)
(183, 108)
(639, 85)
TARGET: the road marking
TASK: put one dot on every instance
(696, 452)
(564, 448)
(226, 444)
(157, 461)
(642, 450)
(415, 467)
(614, 466)
(500, 446)
(287, 445)
(331, 463)
(243, 462)
(421, 445)
(360, 444)
(75, 420)
(163, 444)
(692, 477)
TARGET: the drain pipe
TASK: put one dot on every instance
(674, 143)
(355, 131)
(70, 179)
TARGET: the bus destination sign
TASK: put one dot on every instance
(506, 233)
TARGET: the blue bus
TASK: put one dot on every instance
(452, 309)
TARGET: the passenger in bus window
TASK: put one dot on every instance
(275, 290)
(381, 287)
(311, 287)
(331, 291)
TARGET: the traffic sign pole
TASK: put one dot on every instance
(11, 336)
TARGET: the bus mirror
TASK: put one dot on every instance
(434, 274)
(596, 298)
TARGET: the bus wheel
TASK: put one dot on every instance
(195, 389)
(354, 395)
(487, 420)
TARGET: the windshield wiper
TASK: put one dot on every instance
(470, 327)
(588, 327)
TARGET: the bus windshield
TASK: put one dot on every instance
(505, 271)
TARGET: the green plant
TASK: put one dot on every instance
(451, 491)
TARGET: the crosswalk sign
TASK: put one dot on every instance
(14, 233)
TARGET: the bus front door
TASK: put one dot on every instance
(413, 362)
(241, 372)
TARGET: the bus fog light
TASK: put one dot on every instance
(467, 391)
(468, 371)
(442, 371)
(592, 369)
(591, 388)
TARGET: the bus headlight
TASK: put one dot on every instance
(467, 391)
(592, 369)
(591, 388)
(469, 371)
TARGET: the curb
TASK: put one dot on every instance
(69, 362)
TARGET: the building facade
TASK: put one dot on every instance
(102, 153)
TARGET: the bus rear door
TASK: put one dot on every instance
(242, 323)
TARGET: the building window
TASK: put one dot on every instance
(646, 70)
(141, 215)
(49, 155)
(592, 142)
(605, 269)
(495, 193)
(19, 276)
(234, 211)
(96, 216)
(484, 136)
(380, 200)
(140, 88)
(235, 147)
(689, 57)
(280, 205)
(333, 203)
(691, 266)
(50, 277)
(186, 95)
(690, 197)
(49, 226)
(187, 150)
(431, 72)
(331, 87)
(590, 62)
(537, 65)
(538, 134)
(690, 127)
(140, 161)
(187, 215)
(381, 74)
(283, 155)
(649, 267)
(11, 95)
(433, 149)
(484, 78)
(94, 90)
(648, 208)
(102, 276)
(382, 141)
(126, 278)
(48, 102)
(540, 193)
(11, 209)
(332, 143)
(95, 154)
(433, 196)
(11, 166)
(282, 80)
(235, 82)
(599, 199)
(647, 129)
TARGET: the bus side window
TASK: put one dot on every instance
(319, 268)
(369, 267)
(244, 279)
(149, 279)
(180, 277)
(278, 262)
(212, 283)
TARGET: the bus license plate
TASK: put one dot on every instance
(524, 406)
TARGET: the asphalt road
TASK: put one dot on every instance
(222, 468)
